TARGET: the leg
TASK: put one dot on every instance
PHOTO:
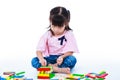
(35, 62)
(60, 70)
(50, 60)
(69, 62)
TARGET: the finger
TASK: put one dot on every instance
(45, 63)
(59, 62)
(42, 64)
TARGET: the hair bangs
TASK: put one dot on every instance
(58, 20)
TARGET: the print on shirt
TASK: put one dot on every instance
(62, 39)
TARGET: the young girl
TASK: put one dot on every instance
(56, 46)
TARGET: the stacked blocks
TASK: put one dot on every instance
(45, 72)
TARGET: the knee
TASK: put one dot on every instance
(35, 62)
(71, 61)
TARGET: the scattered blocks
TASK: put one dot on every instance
(45, 73)
(8, 73)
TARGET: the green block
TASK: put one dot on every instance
(20, 73)
(102, 72)
(99, 79)
(87, 79)
(79, 75)
(51, 75)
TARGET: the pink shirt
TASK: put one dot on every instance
(51, 45)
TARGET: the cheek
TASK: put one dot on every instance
(62, 29)
(51, 28)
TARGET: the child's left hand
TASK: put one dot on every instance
(59, 60)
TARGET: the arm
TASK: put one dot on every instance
(66, 54)
(41, 58)
(60, 58)
(70, 47)
(39, 55)
(42, 49)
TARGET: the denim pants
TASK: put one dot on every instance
(68, 61)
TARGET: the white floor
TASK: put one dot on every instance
(85, 64)
(96, 24)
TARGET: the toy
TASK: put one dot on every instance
(8, 73)
(20, 73)
(29, 79)
(72, 77)
(44, 72)
(18, 79)
(13, 76)
(96, 76)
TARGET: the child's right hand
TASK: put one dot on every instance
(43, 62)
(59, 60)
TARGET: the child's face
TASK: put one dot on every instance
(57, 30)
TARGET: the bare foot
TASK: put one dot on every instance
(53, 64)
(61, 70)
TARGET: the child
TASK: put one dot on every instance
(56, 46)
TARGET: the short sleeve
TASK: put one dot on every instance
(71, 44)
(42, 44)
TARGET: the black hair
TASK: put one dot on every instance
(58, 20)
(60, 16)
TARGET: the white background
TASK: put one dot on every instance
(96, 25)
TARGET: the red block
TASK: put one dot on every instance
(91, 76)
(43, 69)
(102, 76)
(43, 77)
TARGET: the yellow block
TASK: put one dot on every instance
(18, 79)
(47, 75)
